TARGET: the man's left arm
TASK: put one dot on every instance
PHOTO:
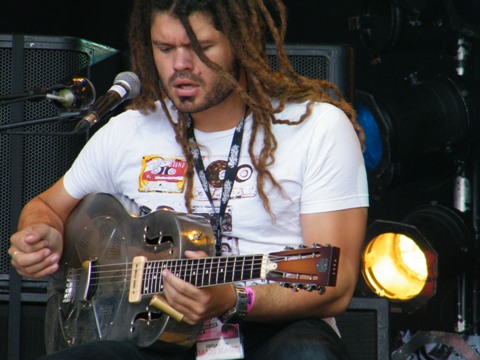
(344, 229)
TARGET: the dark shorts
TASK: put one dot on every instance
(309, 339)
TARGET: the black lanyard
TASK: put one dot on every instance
(229, 179)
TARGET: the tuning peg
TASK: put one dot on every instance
(298, 287)
(289, 248)
(311, 287)
(321, 290)
(294, 286)
(316, 245)
(302, 246)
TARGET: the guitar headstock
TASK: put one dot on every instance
(305, 268)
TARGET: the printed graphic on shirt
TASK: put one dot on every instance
(162, 174)
(167, 175)
(215, 172)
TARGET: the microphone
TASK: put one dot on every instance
(126, 85)
(78, 94)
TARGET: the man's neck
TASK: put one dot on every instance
(223, 116)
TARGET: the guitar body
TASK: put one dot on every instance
(89, 295)
(110, 273)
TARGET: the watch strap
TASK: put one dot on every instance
(239, 311)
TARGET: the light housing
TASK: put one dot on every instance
(427, 117)
(406, 261)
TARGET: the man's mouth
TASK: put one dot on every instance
(185, 88)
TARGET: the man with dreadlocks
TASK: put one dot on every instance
(267, 156)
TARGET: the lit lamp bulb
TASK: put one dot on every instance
(395, 267)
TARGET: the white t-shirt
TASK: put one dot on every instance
(318, 163)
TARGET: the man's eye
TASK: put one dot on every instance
(163, 48)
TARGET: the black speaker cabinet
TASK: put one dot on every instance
(331, 62)
(31, 341)
(365, 329)
(31, 158)
(31, 163)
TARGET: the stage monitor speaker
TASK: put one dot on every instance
(365, 329)
(331, 62)
(31, 163)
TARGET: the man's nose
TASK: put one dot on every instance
(184, 59)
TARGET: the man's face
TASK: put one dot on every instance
(187, 81)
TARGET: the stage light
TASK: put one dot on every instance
(427, 117)
(404, 261)
(387, 25)
(464, 16)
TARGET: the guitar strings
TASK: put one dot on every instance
(175, 268)
(203, 271)
(178, 262)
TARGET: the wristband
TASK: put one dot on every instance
(250, 298)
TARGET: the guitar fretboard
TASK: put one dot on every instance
(202, 272)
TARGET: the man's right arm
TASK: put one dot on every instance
(37, 246)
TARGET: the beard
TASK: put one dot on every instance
(219, 90)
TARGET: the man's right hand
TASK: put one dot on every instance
(36, 250)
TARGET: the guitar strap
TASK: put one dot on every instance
(229, 175)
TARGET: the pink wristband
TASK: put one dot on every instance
(250, 298)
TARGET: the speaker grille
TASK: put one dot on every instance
(314, 67)
(47, 157)
(364, 328)
(5, 113)
(329, 62)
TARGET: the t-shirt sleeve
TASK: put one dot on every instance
(335, 176)
(89, 172)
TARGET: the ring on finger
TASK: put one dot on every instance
(14, 253)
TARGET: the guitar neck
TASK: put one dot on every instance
(147, 278)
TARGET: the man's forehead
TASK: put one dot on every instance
(203, 15)
(166, 25)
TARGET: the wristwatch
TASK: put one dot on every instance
(239, 311)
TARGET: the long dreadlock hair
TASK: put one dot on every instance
(248, 24)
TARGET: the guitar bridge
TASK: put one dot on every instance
(80, 288)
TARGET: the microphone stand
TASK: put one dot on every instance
(33, 95)
(10, 99)
(62, 117)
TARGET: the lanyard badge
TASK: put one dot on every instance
(229, 179)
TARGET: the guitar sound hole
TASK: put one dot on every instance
(157, 239)
(148, 316)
